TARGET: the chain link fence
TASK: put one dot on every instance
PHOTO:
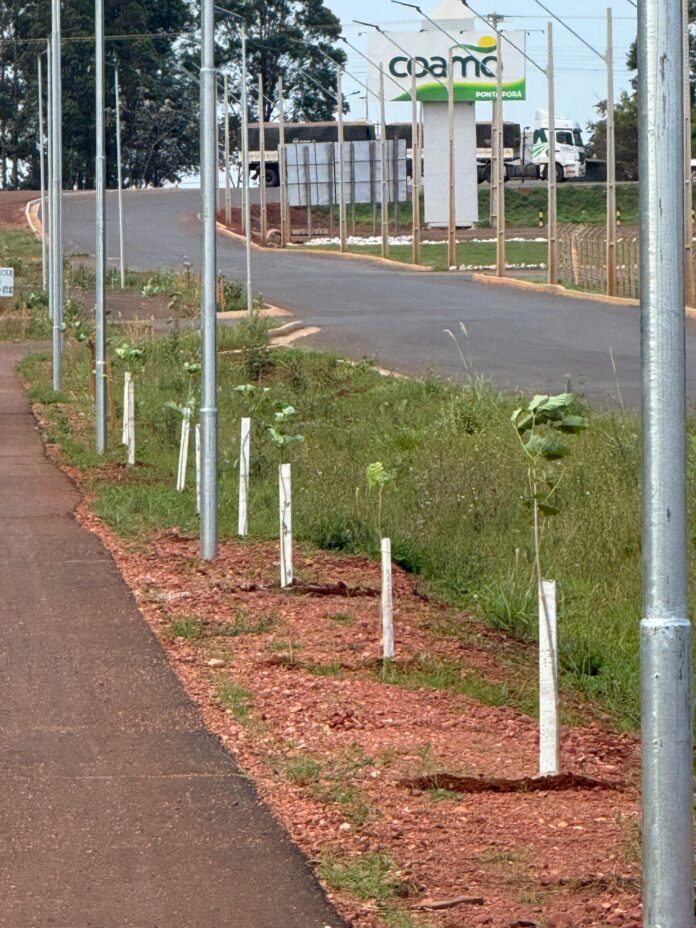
(582, 259)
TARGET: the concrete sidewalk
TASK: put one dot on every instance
(117, 808)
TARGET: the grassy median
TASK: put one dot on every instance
(457, 508)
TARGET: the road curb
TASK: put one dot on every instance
(560, 290)
(404, 265)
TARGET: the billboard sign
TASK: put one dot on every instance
(474, 59)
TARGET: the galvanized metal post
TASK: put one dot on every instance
(245, 174)
(119, 166)
(689, 293)
(551, 166)
(341, 162)
(42, 173)
(47, 214)
(100, 253)
(208, 410)
(415, 166)
(452, 200)
(611, 161)
(57, 187)
(228, 176)
(282, 165)
(668, 895)
(383, 165)
(262, 172)
(500, 133)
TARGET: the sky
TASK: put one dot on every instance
(580, 74)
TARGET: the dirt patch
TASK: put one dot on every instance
(294, 686)
(13, 204)
(553, 784)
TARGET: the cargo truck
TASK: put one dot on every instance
(526, 151)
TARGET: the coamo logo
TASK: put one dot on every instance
(482, 62)
(474, 74)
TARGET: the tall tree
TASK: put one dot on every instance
(159, 111)
(288, 39)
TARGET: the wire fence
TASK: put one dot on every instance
(582, 259)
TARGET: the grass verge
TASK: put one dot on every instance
(456, 511)
(469, 254)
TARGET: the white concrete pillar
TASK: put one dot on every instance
(436, 177)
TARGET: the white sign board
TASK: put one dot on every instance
(474, 58)
(6, 281)
(313, 172)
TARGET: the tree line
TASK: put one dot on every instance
(155, 46)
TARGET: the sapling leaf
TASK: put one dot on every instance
(184, 411)
(285, 413)
(561, 401)
(192, 367)
(522, 420)
(572, 424)
(377, 475)
(281, 440)
(537, 401)
(546, 446)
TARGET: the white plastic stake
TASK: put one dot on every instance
(183, 452)
(126, 399)
(285, 485)
(244, 451)
(387, 604)
(131, 422)
(549, 752)
(198, 467)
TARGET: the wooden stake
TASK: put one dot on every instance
(131, 422)
(183, 452)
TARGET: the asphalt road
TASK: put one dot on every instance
(520, 339)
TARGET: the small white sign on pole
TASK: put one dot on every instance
(549, 752)
(244, 455)
(6, 281)
(387, 603)
(286, 572)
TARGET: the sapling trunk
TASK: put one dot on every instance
(124, 430)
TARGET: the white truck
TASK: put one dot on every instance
(527, 150)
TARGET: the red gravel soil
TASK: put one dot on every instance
(354, 764)
(13, 204)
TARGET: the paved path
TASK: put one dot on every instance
(530, 340)
(117, 808)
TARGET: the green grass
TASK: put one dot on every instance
(24, 316)
(577, 202)
(237, 699)
(302, 769)
(469, 254)
(456, 511)
(186, 628)
(372, 876)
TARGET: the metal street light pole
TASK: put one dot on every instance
(57, 186)
(245, 173)
(384, 195)
(42, 172)
(284, 231)
(119, 164)
(100, 259)
(208, 411)
(688, 176)
(262, 172)
(611, 160)
(415, 168)
(47, 214)
(667, 788)
(451, 212)
(500, 160)
(228, 178)
(551, 176)
(341, 165)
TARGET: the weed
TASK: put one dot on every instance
(185, 628)
(334, 669)
(439, 794)
(236, 699)
(287, 650)
(342, 618)
(370, 876)
(302, 769)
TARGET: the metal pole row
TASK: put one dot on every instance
(119, 163)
